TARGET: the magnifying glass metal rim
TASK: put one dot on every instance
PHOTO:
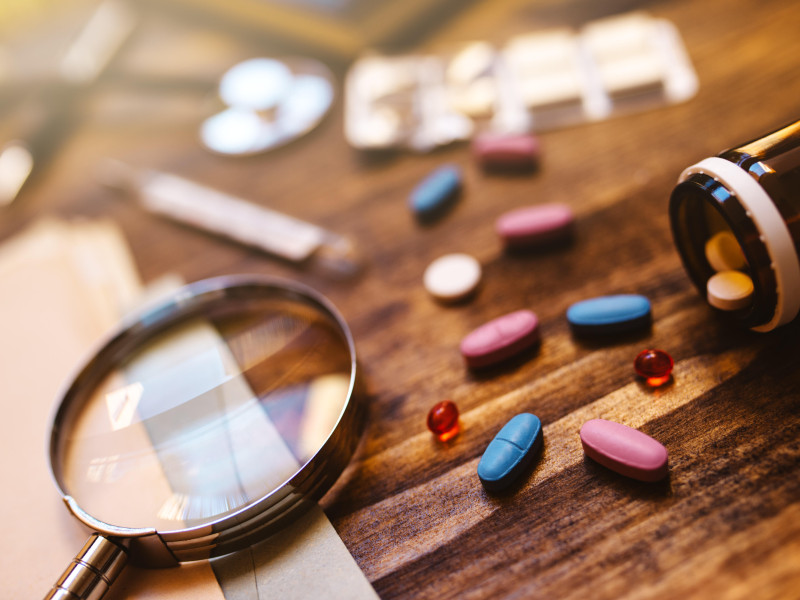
(262, 517)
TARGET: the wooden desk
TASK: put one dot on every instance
(726, 523)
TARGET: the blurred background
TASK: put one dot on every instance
(143, 98)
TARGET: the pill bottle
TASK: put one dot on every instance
(749, 195)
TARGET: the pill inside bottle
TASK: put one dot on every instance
(736, 223)
(724, 253)
(729, 290)
(729, 285)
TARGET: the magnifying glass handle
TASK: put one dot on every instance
(91, 572)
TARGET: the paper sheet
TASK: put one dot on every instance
(62, 286)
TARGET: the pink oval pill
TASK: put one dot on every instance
(535, 225)
(625, 450)
(495, 151)
(500, 338)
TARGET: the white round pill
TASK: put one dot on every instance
(729, 290)
(255, 84)
(452, 277)
(724, 253)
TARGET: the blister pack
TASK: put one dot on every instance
(537, 81)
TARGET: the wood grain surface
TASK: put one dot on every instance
(725, 524)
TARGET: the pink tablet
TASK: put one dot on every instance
(535, 225)
(503, 152)
(500, 339)
(625, 450)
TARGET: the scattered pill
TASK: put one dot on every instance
(539, 225)
(724, 253)
(655, 366)
(443, 420)
(452, 277)
(625, 450)
(609, 314)
(503, 152)
(500, 339)
(256, 84)
(435, 194)
(729, 290)
(510, 452)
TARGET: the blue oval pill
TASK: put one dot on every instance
(434, 195)
(609, 314)
(510, 452)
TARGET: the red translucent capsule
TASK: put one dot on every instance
(443, 420)
(655, 366)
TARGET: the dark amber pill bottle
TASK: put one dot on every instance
(753, 192)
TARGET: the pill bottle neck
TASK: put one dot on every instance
(774, 162)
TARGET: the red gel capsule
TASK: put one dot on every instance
(655, 366)
(443, 420)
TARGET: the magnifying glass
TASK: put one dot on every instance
(204, 425)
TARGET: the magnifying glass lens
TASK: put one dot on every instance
(205, 416)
